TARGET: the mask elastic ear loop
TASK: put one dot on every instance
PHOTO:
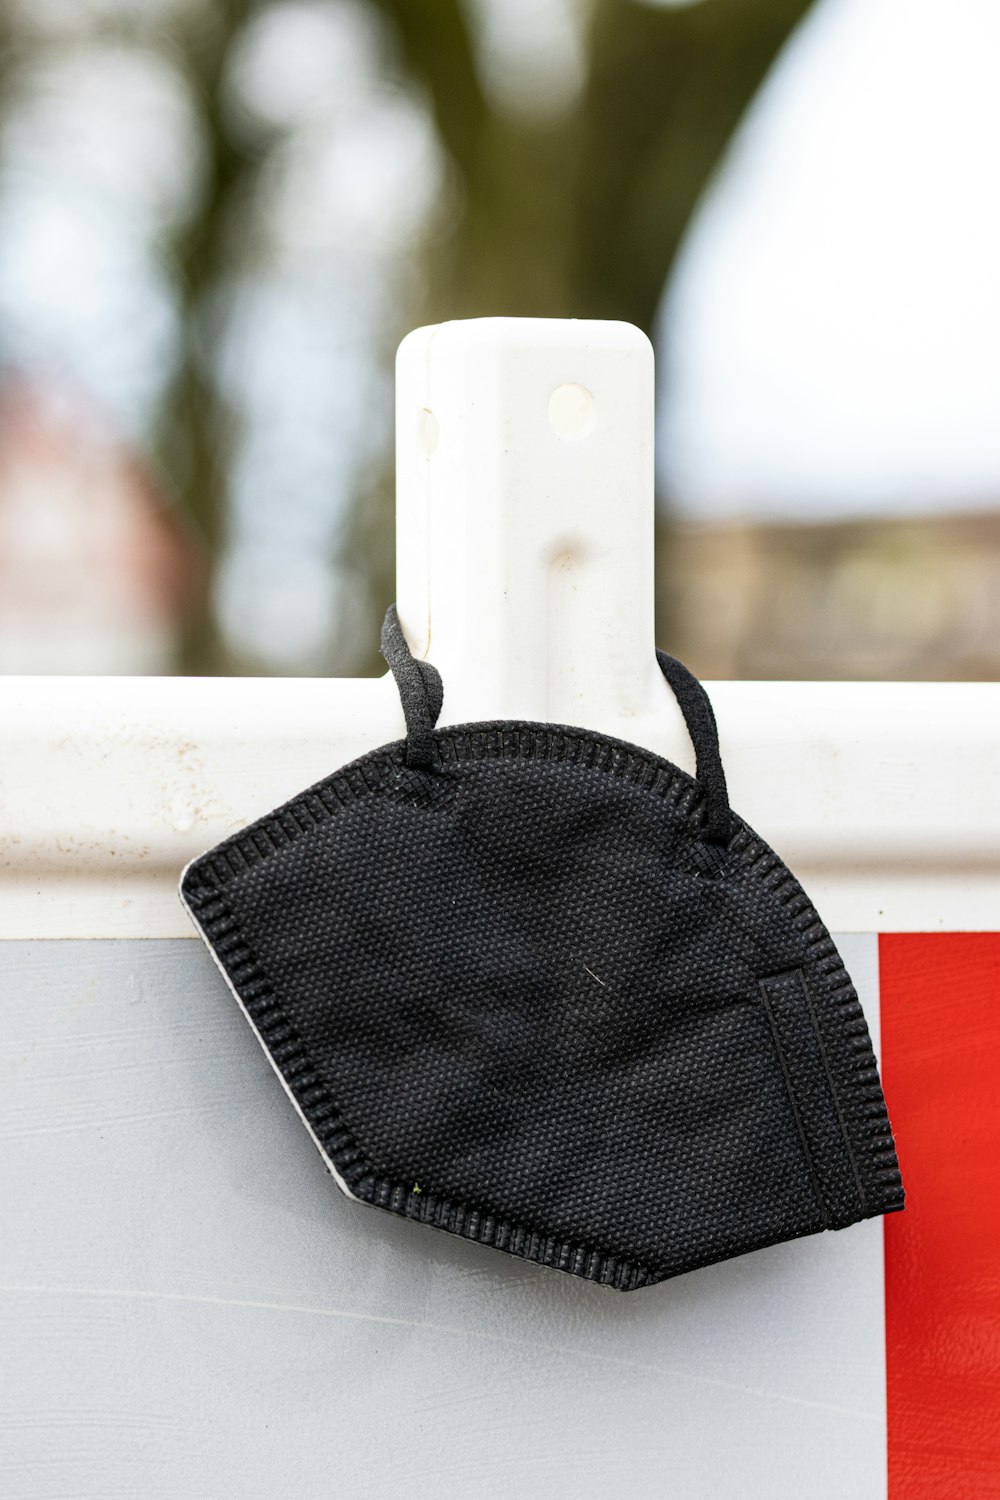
(701, 726)
(422, 694)
(421, 691)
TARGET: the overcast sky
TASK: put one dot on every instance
(831, 339)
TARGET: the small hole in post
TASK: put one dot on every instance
(572, 411)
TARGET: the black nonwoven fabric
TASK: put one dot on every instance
(541, 988)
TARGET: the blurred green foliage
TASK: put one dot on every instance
(575, 211)
(581, 214)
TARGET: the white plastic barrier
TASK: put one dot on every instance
(189, 1306)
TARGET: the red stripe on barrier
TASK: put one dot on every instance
(940, 996)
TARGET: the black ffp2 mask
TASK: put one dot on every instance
(543, 989)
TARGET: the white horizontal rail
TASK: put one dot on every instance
(885, 797)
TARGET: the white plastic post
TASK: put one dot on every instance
(525, 520)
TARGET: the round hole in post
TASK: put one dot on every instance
(572, 411)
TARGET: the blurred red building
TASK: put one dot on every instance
(97, 574)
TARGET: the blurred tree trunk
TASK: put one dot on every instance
(667, 89)
(197, 432)
(582, 215)
(578, 215)
(509, 251)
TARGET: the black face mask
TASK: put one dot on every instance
(542, 989)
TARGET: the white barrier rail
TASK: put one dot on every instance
(882, 798)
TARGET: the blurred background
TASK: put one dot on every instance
(218, 218)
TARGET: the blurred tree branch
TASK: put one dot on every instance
(580, 215)
(198, 437)
(667, 88)
(573, 213)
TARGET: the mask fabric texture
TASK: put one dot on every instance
(542, 989)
